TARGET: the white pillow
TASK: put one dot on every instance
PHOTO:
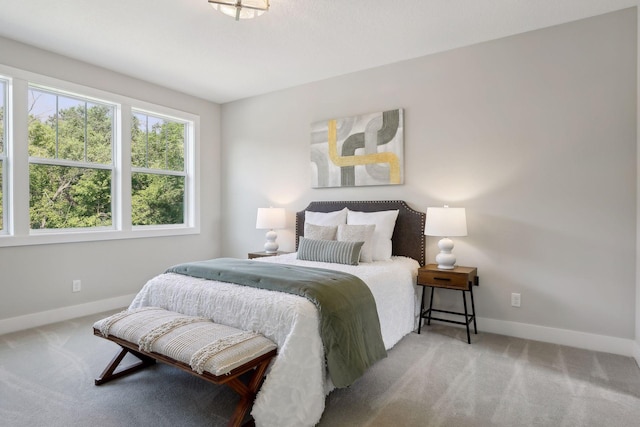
(320, 232)
(385, 222)
(326, 218)
(358, 233)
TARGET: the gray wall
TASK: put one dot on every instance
(38, 278)
(534, 134)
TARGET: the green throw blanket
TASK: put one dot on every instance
(349, 324)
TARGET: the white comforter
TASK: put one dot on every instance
(294, 390)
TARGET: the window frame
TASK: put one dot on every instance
(84, 164)
(17, 230)
(188, 134)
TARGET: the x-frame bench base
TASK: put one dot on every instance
(246, 391)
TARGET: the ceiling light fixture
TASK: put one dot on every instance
(241, 9)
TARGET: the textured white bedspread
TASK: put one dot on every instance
(294, 390)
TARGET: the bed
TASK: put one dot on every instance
(294, 391)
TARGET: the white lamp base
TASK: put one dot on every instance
(271, 246)
(445, 259)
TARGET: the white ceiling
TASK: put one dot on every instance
(188, 46)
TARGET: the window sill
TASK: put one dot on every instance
(74, 236)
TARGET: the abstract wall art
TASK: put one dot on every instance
(358, 151)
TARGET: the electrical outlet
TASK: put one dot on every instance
(515, 300)
(77, 286)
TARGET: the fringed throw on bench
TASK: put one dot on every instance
(217, 353)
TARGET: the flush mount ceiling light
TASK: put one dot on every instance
(241, 9)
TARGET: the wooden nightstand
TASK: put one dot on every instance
(461, 279)
(261, 254)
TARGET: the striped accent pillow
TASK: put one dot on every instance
(329, 251)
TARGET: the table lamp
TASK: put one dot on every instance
(270, 219)
(446, 222)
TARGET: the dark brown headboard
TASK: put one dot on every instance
(408, 236)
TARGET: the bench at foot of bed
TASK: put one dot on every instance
(216, 353)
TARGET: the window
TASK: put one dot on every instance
(158, 170)
(80, 164)
(70, 161)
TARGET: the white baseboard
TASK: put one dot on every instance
(607, 344)
(14, 324)
(595, 342)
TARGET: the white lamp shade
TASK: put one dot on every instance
(241, 9)
(446, 222)
(271, 218)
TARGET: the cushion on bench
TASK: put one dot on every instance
(196, 341)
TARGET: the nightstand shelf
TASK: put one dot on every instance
(460, 278)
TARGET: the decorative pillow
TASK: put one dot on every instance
(320, 232)
(358, 233)
(326, 218)
(329, 251)
(385, 222)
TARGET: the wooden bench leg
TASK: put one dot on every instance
(109, 372)
(247, 393)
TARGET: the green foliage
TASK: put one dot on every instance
(157, 199)
(76, 197)
(157, 144)
(69, 197)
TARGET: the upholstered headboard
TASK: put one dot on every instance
(408, 236)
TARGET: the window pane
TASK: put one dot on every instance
(68, 128)
(42, 124)
(99, 133)
(175, 145)
(157, 199)
(139, 141)
(71, 129)
(157, 143)
(69, 197)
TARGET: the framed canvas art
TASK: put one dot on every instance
(358, 151)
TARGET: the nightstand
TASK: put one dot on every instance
(261, 254)
(460, 279)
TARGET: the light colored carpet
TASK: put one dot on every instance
(432, 379)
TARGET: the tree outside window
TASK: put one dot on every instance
(80, 144)
(158, 170)
(70, 161)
